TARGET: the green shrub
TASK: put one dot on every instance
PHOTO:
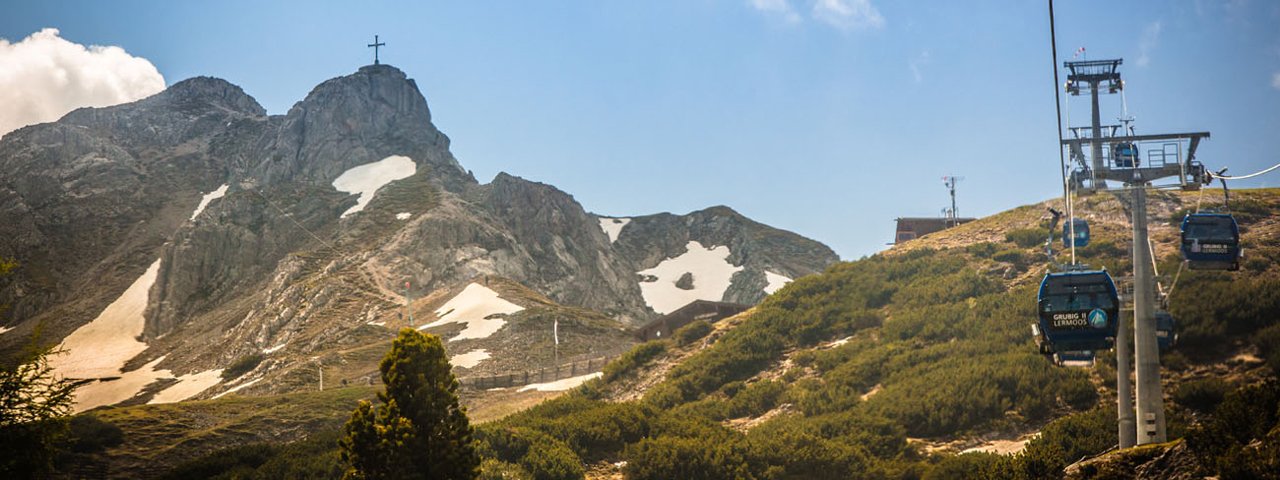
(1011, 256)
(242, 366)
(634, 359)
(314, 457)
(1066, 440)
(692, 332)
(668, 458)
(492, 469)
(592, 429)
(966, 466)
(1241, 439)
(238, 461)
(1027, 237)
(756, 399)
(1268, 342)
(1202, 395)
(982, 250)
(552, 461)
(88, 434)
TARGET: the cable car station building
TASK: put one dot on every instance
(910, 228)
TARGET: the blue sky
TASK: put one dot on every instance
(828, 118)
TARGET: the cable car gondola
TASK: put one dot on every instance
(1078, 310)
(1125, 154)
(1075, 232)
(1211, 241)
(1165, 337)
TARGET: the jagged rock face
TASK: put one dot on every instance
(90, 201)
(567, 251)
(647, 240)
(352, 120)
(86, 200)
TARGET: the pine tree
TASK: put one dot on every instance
(34, 405)
(418, 430)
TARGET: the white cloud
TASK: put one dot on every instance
(1150, 38)
(781, 8)
(848, 14)
(44, 76)
(1275, 80)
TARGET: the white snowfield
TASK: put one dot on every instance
(101, 347)
(403, 215)
(613, 227)
(209, 197)
(775, 282)
(188, 386)
(473, 307)
(711, 271)
(562, 384)
(110, 392)
(365, 180)
(5, 329)
(469, 359)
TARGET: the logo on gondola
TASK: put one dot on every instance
(1098, 318)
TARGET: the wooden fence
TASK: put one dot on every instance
(592, 364)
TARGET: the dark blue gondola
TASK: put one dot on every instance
(1076, 231)
(1165, 337)
(1211, 241)
(1125, 155)
(1078, 310)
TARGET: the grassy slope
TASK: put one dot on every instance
(157, 437)
(936, 328)
(939, 330)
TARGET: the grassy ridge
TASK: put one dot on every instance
(934, 343)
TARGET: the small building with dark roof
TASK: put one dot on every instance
(710, 311)
(910, 228)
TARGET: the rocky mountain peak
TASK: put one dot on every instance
(381, 93)
(212, 91)
(359, 118)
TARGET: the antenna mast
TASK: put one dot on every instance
(952, 214)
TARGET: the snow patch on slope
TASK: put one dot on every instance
(613, 227)
(365, 180)
(5, 329)
(124, 387)
(470, 359)
(238, 388)
(711, 271)
(403, 215)
(560, 385)
(188, 386)
(101, 347)
(209, 197)
(271, 350)
(775, 282)
(473, 307)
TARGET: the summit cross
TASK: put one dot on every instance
(375, 46)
